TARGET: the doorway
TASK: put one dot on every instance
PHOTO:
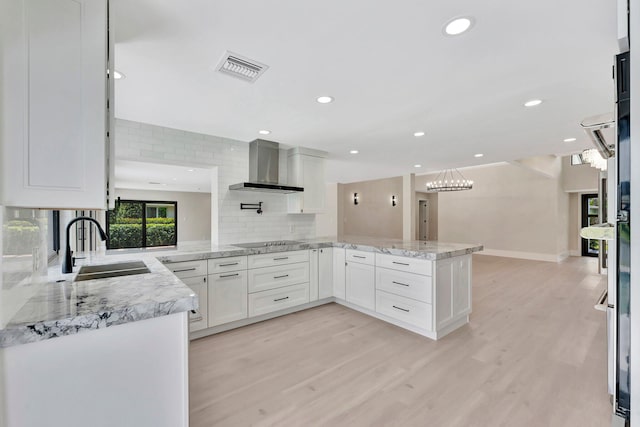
(590, 216)
(423, 220)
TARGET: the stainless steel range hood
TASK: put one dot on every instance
(264, 157)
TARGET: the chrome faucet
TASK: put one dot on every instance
(67, 263)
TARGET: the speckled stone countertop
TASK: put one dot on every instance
(59, 306)
(431, 250)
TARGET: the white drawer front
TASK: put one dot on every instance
(188, 268)
(278, 299)
(277, 258)
(262, 279)
(410, 265)
(220, 265)
(404, 309)
(198, 320)
(227, 297)
(404, 284)
(361, 257)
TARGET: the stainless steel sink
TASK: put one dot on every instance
(270, 244)
(104, 271)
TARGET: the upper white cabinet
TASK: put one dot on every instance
(305, 168)
(54, 90)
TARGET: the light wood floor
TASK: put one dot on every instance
(534, 354)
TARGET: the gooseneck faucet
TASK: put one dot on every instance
(67, 263)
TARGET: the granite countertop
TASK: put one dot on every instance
(430, 250)
(58, 306)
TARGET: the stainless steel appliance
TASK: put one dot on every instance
(620, 304)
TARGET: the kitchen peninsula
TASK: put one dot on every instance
(103, 343)
(422, 286)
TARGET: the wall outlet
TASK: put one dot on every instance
(292, 228)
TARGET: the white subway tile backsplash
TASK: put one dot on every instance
(232, 160)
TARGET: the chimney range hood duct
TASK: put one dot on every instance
(594, 126)
(264, 157)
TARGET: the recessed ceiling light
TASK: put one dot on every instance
(417, 166)
(458, 26)
(478, 155)
(418, 133)
(569, 140)
(324, 99)
(190, 170)
(354, 152)
(264, 132)
(533, 103)
(117, 75)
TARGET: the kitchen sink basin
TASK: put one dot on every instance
(104, 271)
(267, 244)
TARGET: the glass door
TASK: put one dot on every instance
(590, 216)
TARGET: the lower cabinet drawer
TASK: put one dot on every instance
(405, 309)
(408, 285)
(277, 299)
(262, 279)
(188, 268)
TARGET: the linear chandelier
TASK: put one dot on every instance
(449, 180)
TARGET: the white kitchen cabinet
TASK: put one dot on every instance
(198, 320)
(360, 285)
(278, 276)
(305, 168)
(339, 272)
(325, 273)
(453, 290)
(227, 297)
(313, 274)
(53, 147)
(278, 299)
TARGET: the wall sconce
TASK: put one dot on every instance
(393, 201)
(355, 198)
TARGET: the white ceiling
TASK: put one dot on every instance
(152, 176)
(388, 65)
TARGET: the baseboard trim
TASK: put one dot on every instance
(534, 256)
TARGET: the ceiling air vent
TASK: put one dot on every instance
(241, 67)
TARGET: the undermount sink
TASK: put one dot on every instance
(89, 272)
(267, 244)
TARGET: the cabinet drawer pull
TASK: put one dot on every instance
(280, 299)
(401, 263)
(280, 277)
(229, 275)
(403, 309)
(185, 269)
(398, 283)
(194, 312)
(281, 258)
(359, 256)
(231, 263)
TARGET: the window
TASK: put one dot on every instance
(142, 224)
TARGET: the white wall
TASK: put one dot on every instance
(511, 210)
(155, 144)
(579, 178)
(194, 210)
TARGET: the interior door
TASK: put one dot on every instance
(423, 220)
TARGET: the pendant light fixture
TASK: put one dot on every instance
(449, 180)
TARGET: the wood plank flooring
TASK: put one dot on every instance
(534, 354)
